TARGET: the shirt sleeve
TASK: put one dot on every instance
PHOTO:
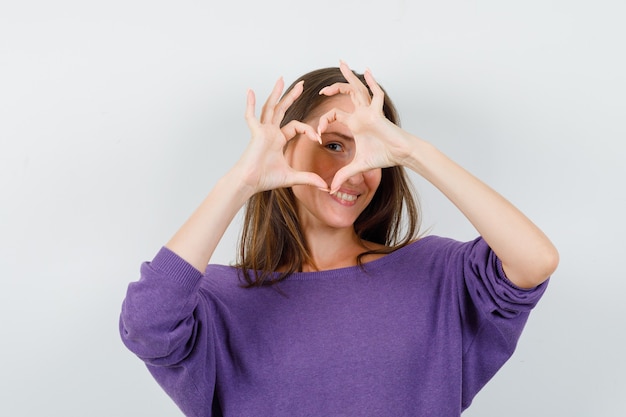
(493, 312)
(166, 324)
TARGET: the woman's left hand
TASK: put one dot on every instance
(379, 142)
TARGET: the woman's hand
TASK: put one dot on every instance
(263, 165)
(379, 142)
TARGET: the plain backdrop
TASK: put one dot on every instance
(117, 117)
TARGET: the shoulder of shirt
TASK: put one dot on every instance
(226, 276)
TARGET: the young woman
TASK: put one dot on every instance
(336, 307)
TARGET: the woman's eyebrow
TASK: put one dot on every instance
(340, 135)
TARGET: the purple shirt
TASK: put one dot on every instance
(417, 333)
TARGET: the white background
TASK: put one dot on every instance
(117, 117)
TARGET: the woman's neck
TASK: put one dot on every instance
(336, 248)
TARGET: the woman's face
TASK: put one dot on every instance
(317, 207)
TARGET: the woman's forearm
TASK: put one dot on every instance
(528, 257)
(197, 239)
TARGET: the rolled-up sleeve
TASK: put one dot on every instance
(157, 320)
(166, 323)
(493, 311)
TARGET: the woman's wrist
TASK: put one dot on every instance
(236, 182)
(417, 154)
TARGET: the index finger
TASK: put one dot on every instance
(337, 88)
(355, 82)
(267, 112)
(287, 101)
(378, 94)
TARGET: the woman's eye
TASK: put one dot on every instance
(334, 146)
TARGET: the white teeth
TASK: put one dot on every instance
(346, 197)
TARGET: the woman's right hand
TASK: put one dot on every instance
(263, 165)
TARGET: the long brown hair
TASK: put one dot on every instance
(271, 238)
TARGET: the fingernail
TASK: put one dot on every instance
(323, 189)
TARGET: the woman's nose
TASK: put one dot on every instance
(356, 179)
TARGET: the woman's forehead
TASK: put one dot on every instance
(341, 102)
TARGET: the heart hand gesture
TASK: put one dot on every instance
(379, 142)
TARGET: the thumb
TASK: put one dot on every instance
(344, 174)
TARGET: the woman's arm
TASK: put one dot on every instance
(261, 167)
(197, 239)
(528, 257)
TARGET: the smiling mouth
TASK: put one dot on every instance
(346, 197)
